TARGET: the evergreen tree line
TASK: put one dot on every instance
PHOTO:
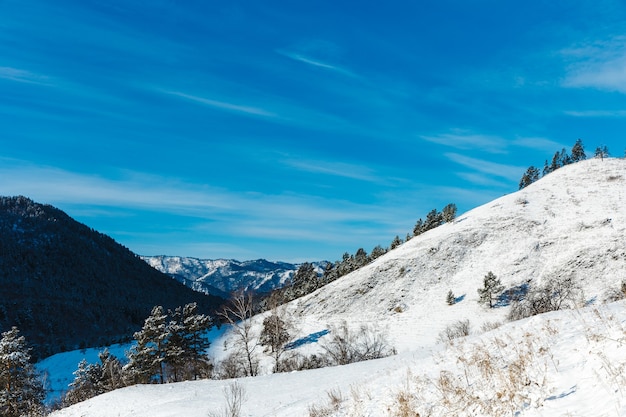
(560, 159)
(306, 279)
(170, 347)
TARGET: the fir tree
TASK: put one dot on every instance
(492, 287)
(396, 242)
(531, 175)
(146, 359)
(21, 390)
(578, 151)
(449, 213)
(602, 152)
(185, 350)
(450, 298)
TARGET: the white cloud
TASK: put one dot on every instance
(23, 76)
(596, 113)
(222, 105)
(468, 141)
(509, 172)
(300, 57)
(541, 144)
(600, 65)
(339, 169)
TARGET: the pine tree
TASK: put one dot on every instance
(578, 151)
(185, 350)
(21, 390)
(492, 287)
(450, 298)
(531, 175)
(449, 213)
(146, 359)
(396, 242)
(419, 228)
(377, 252)
(601, 152)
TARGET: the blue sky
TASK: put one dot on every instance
(295, 130)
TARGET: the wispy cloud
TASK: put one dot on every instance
(597, 113)
(509, 172)
(600, 65)
(137, 191)
(24, 76)
(306, 59)
(542, 144)
(338, 169)
(466, 141)
(223, 105)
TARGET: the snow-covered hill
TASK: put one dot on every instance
(222, 277)
(569, 224)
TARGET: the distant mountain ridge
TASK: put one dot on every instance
(65, 285)
(222, 277)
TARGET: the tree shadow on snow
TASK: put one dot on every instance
(515, 293)
(312, 338)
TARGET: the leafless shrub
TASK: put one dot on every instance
(335, 399)
(345, 346)
(555, 294)
(299, 362)
(231, 367)
(490, 325)
(455, 330)
(235, 396)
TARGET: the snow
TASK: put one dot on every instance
(571, 223)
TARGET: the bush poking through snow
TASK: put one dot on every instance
(334, 404)
(555, 294)
(460, 328)
(345, 346)
(235, 396)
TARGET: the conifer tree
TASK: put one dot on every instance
(450, 298)
(21, 390)
(146, 359)
(492, 287)
(449, 213)
(396, 242)
(185, 350)
(578, 151)
(531, 175)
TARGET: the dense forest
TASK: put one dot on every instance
(67, 286)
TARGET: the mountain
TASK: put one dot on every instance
(569, 225)
(222, 277)
(66, 285)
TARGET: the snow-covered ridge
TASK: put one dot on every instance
(569, 224)
(222, 277)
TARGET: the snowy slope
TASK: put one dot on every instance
(575, 367)
(569, 224)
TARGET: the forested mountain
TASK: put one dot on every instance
(66, 285)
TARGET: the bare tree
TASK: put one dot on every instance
(238, 315)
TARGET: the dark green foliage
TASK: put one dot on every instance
(449, 213)
(186, 344)
(492, 287)
(531, 175)
(450, 298)
(67, 285)
(578, 151)
(396, 242)
(146, 359)
(95, 379)
(21, 390)
(601, 152)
